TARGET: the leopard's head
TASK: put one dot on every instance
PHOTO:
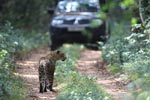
(59, 55)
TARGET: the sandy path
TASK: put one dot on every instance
(89, 65)
(28, 70)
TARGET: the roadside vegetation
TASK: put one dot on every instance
(14, 45)
(76, 86)
(127, 51)
(130, 56)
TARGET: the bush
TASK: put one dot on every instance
(11, 87)
(25, 14)
(13, 44)
(131, 54)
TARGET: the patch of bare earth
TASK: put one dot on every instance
(90, 64)
(28, 70)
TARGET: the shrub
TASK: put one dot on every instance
(11, 87)
(13, 43)
(131, 54)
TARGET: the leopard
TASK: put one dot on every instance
(47, 68)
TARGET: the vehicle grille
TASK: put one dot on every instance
(83, 21)
(69, 21)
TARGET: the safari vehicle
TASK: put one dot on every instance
(77, 21)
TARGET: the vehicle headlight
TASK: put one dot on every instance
(57, 22)
(96, 22)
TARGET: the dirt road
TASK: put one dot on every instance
(91, 65)
(28, 70)
(87, 64)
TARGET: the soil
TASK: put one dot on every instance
(28, 70)
(88, 64)
(91, 64)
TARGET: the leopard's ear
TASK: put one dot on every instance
(57, 51)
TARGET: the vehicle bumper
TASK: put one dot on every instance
(63, 34)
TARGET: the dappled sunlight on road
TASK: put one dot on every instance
(27, 76)
(27, 63)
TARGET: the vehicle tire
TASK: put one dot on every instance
(54, 44)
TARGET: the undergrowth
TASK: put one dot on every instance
(14, 44)
(74, 85)
(130, 56)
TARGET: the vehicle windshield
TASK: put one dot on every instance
(74, 6)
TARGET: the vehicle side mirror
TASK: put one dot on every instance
(50, 10)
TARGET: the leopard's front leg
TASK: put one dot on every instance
(45, 85)
(50, 80)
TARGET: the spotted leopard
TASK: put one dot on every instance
(47, 68)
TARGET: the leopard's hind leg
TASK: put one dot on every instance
(41, 79)
(50, 80)
(42, 86)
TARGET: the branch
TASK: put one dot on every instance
(140, 12)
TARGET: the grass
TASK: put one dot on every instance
(76, 86)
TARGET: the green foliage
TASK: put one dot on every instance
(13, 43)
(18, 42)
(10, 42)
(75, 85)
(121, 50)
(122, 10)
(131, 54)
(27, 14)
(34, 40)
(80, 87)
(11, 87)
(140, 88)
(145, 8)
(124, 50)
(72, 53)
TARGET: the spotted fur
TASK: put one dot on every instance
(47, 69)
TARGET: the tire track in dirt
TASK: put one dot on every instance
(28, 70)
(90, 65)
